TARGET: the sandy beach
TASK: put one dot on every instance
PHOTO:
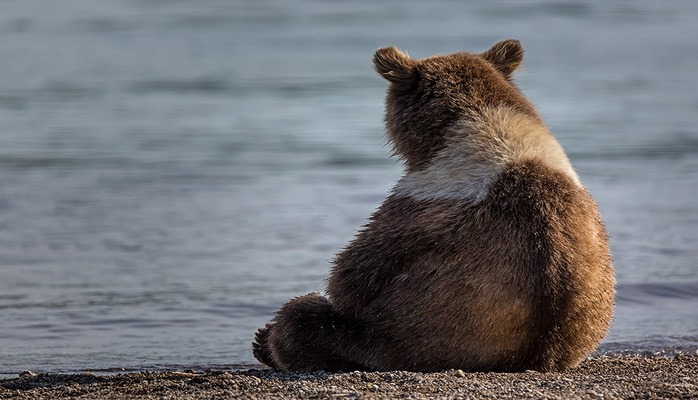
(599, 377)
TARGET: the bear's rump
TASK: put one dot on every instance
(467, 321)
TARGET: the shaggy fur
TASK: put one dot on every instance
(489, 254)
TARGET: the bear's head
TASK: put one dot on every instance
(459, 121)
(427, 97)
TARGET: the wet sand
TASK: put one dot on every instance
(599, 377)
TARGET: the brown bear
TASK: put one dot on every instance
(488, 254)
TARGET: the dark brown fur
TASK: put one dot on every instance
(433, 93)
(521, 280)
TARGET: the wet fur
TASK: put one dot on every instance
(489, 254)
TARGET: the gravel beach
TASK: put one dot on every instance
(598, 377)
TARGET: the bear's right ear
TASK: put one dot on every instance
(506, 56)
(395, 65)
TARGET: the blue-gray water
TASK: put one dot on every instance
(172, 171)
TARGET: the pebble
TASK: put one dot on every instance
(608, 378)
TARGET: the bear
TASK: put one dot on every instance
(487, 255)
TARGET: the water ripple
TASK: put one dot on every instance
(644, 293)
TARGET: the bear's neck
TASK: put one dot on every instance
(477, 150)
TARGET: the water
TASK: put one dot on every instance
(171, 172)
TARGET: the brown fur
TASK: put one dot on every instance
(520, 279)
(442, 88)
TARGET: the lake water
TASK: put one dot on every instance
(172, 171)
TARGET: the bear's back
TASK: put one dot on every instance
(502, 284)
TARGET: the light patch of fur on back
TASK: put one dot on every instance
(478, 150)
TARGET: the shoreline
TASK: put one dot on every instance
(596, 377)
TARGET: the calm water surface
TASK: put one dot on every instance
(171, 172)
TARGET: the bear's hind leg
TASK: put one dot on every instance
(260, 347)
(308, 335)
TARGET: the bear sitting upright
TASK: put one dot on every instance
(488, 255)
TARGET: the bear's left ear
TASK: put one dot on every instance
(506, 56)
(395, 65)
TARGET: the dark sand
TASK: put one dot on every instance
(599, 377)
